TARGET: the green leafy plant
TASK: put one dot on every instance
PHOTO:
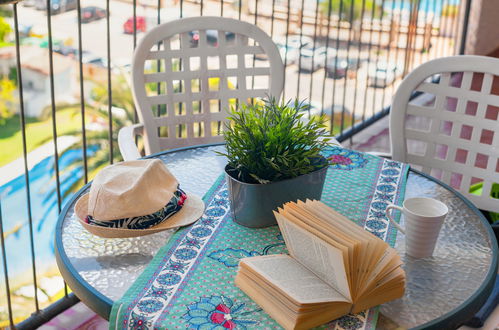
(267, 141)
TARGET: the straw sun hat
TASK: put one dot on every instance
(136, 198)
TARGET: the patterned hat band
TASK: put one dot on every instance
(146, 221)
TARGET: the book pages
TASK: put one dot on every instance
(315, 254)
(291, 277)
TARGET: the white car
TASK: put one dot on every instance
(289, 50)
(382, 75)
(313, 59)
(295, 41)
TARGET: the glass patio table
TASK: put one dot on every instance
(441, 292)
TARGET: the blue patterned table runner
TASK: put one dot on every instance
(190, 282)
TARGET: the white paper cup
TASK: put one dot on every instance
(423, 219)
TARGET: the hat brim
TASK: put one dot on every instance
(190, 212)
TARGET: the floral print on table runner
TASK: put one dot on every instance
(219, 312)
(344, 159)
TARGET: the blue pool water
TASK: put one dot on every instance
(44, 213)
(428, 6)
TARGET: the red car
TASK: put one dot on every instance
(141, 25)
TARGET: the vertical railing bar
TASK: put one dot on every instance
(425, 16)
(286, 51)
(201, 7)
(328, 27)
(52, 99)
(300, 50)
(369, 48)
(109, 84)
(180, 67)
(272, 20)
(441, 51)
(25, 154)
(388, 56)
(416, 35)
(412, 46)
(222, 8)
(240, 9)
(464, 33)
(134, 14)
(82, 95)
(313, 55)
(427, 51)
(397, 48)
(438, 44)
(455, 28)
(54, 122)
(377, 56)
(426, 57)
(359, 47)
(158, 64)
(255, 22)
(338, 31)
(219, 102)
(349, 42)
(4, 255)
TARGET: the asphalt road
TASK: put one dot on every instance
(352, 93)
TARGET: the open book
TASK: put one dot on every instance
(334, 267)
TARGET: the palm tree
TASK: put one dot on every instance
(98, 141)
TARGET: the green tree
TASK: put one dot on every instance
(5, 29)
(7, 100)
(348, 13)
(97, 140)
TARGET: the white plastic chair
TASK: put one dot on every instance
(199, 80)
(457, 139)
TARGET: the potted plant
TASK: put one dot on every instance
(273, 157)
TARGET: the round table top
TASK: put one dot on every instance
(443, 290)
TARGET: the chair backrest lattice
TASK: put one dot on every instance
(452, 130)
(187, 73)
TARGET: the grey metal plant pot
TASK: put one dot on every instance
(252, 204)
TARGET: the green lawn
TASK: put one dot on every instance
(37, 133)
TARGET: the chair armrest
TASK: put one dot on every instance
(386, 155)
(334, 142)
(126, 141)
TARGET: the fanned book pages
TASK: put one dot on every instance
(334, 267)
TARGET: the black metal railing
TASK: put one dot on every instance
(369, 45)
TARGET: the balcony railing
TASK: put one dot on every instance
(69, 76)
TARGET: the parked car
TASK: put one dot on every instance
(141, 25)
(92, 13)
(338, 68)
(57, 6)
(382, 75)
(211, 37)
(65, 50)
(290, 49)
(90, 58)
(296, 42)
(313, 59)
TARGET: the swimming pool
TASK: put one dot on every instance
(44, 214)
